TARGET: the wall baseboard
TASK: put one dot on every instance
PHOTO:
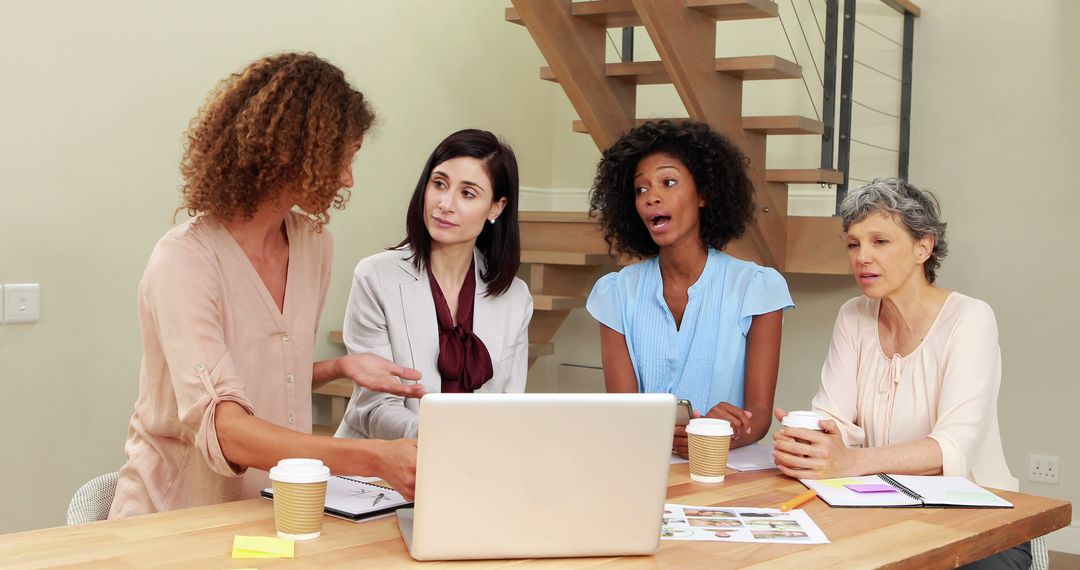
(554, 199)
(1066, 540)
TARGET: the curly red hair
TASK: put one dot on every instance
(282, 128)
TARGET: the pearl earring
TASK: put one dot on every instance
(491, 221)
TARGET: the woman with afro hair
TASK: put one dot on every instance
(688, 319)
(230, 300)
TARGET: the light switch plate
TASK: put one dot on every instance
(22, 303)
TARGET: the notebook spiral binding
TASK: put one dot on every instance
(896, 484)
(364, 482)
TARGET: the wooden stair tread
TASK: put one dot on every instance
(565, 257)
(340, 388)
(753, 67)
(555, 216)
(805, 176)
(556, 302)
(783, 125)
(538, 349)
(770, 125)
(621, 13)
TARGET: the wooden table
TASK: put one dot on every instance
(861, 538)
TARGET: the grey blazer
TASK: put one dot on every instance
(391, 313)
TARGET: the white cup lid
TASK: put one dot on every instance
(805, 420)
(300, 471)
(709, 426)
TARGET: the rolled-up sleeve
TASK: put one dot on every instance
(183, 296)
(969, 390)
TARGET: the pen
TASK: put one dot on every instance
(378, 498)
(798, 500)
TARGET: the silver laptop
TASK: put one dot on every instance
(539, 475)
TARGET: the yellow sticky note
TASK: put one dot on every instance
(261, 547)
(839, 482)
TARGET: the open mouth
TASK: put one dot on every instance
(867, 277)
(659, 221)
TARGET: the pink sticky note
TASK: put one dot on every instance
(872, 488)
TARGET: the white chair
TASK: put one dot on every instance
(1040, 558)
(93, 500)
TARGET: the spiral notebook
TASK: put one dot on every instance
(354, 499)
(904, 491)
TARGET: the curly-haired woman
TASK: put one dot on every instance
(689, 319)
(230, 300)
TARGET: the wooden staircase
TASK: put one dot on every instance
(565, 250)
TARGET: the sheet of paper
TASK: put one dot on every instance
(940, 490)
(756, 457)
(261, 547)
(740, 524)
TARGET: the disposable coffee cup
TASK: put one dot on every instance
(805, 420)
(299, 496)
(709, 440)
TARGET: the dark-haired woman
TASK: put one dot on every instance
(446, 301)
(230, 300)
(689, 320)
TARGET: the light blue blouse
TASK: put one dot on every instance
(704, 360)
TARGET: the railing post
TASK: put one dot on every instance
(828, 96)
(905, 95)
(627, 45)
(847, 71)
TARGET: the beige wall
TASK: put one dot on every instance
(95, 101)
(95, 97)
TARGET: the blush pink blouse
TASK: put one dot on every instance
(946, 389)
(211, 333)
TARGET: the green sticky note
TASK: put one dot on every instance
(261, 547)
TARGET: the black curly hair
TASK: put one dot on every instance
(718, 168)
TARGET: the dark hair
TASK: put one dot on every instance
(718, 168)
(284, 122)
(500, 243)
(917, 210)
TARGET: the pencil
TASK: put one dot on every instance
(796, 501)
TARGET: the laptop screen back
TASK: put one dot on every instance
(541, 475)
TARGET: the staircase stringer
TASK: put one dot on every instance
(574, 49)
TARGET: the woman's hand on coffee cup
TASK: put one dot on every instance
(809, 454)
(738, 417)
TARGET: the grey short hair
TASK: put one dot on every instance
(917, 210)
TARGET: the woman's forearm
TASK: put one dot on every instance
(920, 457)
(325, 371)
(248, 441)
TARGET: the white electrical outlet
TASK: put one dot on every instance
(1044, 469)
(22, 303)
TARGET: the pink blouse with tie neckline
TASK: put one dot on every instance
(946, 389)
(211, 332)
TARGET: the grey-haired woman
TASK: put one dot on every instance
(910, 384)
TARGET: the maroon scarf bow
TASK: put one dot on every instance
(464, 362)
